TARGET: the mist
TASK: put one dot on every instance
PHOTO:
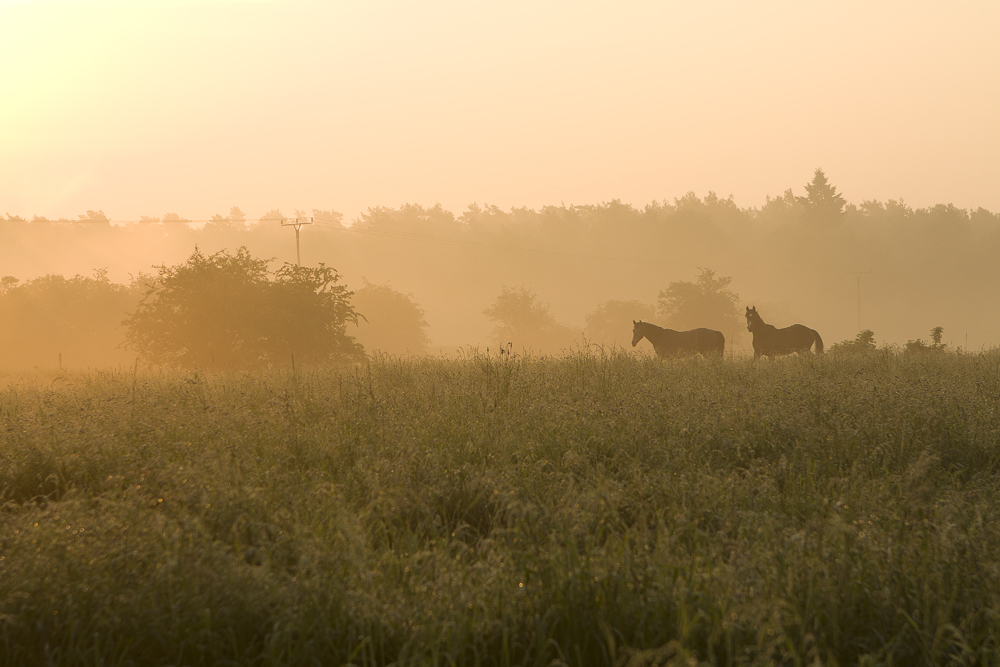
(881, 266)
(585, 157)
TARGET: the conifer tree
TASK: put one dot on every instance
(822, 201)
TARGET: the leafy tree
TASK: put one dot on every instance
(93, 216)
(822, 201)
(227, 311)
(75, 321)
(520, 319)
(236, 220)
(330, 217)
(411, 218)
(391, 321)
(272, 216)
(936, 334)
(708, 302)
(611, 323)
(862, 344)
(486, 219)
(782, 209)
(983, 218)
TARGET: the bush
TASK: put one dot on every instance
(227, 312)
(920, 347)
(526, 323)
(55, 321)
(391, 321)
(864, 343)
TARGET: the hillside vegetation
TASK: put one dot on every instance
(592, 509)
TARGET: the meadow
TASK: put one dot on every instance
(598, 508)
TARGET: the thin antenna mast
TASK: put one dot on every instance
(297, 224)
(858, 274)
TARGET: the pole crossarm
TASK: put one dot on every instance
(297, 224)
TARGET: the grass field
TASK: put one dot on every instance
(595, 509)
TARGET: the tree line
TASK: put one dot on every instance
(228, 311)
(792, 256)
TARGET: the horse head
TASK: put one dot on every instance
(752, 318)
(637, 332)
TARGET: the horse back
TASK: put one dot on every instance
(710, 341)
(695, 341)
(796, 338)
(806, 337)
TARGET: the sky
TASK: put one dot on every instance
(143, 108)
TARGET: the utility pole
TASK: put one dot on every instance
(858, 274)
(297, 224)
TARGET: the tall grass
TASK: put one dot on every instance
(595, 509)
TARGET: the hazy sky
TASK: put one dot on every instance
(142, 108)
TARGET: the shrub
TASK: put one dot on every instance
(391, 321)
(52, 321)
(226, 311)
(920, 347)
(863, 343)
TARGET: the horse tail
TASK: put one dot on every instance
(819, 342)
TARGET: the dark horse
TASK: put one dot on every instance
(769, 340)
(668, 342)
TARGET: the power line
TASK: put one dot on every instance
(153, 221)
(441, 240)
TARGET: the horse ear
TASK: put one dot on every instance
(634, 322)
(748, 309)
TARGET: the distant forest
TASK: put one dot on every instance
(811, 258)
